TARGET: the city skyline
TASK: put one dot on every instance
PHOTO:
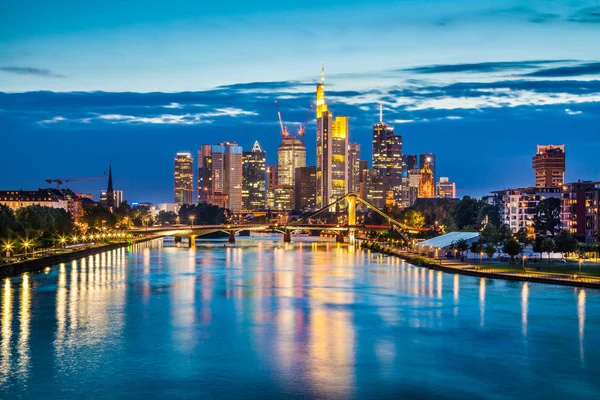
(489, 107)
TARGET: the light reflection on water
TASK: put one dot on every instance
(312, 319)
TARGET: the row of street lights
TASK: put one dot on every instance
(9, 246)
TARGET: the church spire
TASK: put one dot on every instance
(110, 193)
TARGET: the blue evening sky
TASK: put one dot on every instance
(479, 83)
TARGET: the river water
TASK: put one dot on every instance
(261, 319)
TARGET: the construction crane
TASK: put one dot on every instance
(60, 181)
(302, 128)
(284, 131)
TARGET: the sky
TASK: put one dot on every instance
(85, 83)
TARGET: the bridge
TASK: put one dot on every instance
(305, 224)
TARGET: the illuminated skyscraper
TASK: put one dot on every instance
(253, 177)
(305, 188)
(387, 160)
(291, 154)
(354, 167)
(227, 175)
(445, 189)
(332, 151)
(184, 179)
(428, 158)
(549, 165)
(204, 176)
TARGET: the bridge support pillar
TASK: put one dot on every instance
(339, 238)
(178, 239)
(192, 241)
(352, 210)
(231, 237)
(351, 236)
(287, 236)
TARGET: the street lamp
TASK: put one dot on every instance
(7, 247)
(580, 262)
(63, 240)
(481, 258)
(192, 218)
(524, 257)
(26, 244)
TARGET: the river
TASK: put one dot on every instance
(264, 319)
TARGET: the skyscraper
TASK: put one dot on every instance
(204, 177)
(253, 179)
(110, 192)
(332, 151)
(354, 167)
(409, 162)
(291, 154)
(305, 189)
(227, 175)
(184, 179)
(549, 165)
(387, 158)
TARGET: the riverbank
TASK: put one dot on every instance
(38, 264)
(474, 270)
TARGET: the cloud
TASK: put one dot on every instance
(484, 67)
(572, 112)
(173, 105)
(31, 71)
(578, 70)
(588, 15)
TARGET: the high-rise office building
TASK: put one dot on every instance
(184, 179)
(387, 159)
(253, 179)
(414, 179)
(364, 171)
(549, 165)
(332, 151)
(305, 189)
(446, 189)
(227, 175)
(291, 154)
(118, 196)
(204, 176)
(272, 176)
(409, 162)
(426, 185)
(428, 158)
(354, 167)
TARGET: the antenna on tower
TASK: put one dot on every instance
(323, 72)
(380, 112)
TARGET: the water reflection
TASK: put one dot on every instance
(524, 306)
(24, 320)
(6, 331)
(482, 301)
(581, 319)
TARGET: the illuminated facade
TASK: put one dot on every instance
(253, 179)
(428, 158)
(426, 190)
(291, 154)
(184, 179)
(580, 210)
(445, 189)
(305, 189)
(387, 162)
(549, 165)
(354, 170)
(332, 151)
(204, 176)
(53, 198)
(227, 175)
(414, 178)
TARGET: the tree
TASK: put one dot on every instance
(522, 237)
(512, 248)
(489, 214)
(547, 216)
(490, 234)
(466, 211)
(413, 218)
(566, 243)
(7, 221)
(490, 250)
(476, 248)
(538, 245)
(98, 217)
(548, 245)
(461, 245)
(166, 217)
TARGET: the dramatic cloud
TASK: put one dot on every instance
(589, 15)
(500, 66)
(31, 71)
(572, 112)
(578, 70)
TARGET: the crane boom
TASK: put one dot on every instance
(302, 128)
(283, 128)
(60, 181)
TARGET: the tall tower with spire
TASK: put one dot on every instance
(110, 192)
(332, 151)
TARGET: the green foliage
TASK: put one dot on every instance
(466, 212)
(98, 217)
(461, 245)
(412, 217)
(538, 246)
(205, 214)
(490, 234)
(523, 237)
(8, 221)
(166, 217)
(490, 250)
(548, 245)
(566, 243)
(476, 248)
(547, 216)
(512, 248)
(141, 216)
(489, 214)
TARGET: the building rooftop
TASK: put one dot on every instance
(447, 239)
